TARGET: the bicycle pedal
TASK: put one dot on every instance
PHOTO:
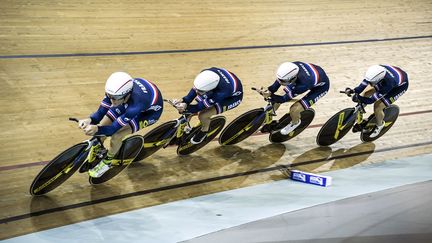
(101, 154)
(265, 129)
(356, 128)
(187, 129)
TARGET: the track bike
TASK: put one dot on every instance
(84, 156)
(178, 132)
(249, 122)
(342, 122)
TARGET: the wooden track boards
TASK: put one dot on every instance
(39, 94)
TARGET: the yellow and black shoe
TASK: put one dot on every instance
(101, 168)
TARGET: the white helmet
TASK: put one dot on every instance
(375, 73)
(206, 81)
(118, 85)
(287, 72)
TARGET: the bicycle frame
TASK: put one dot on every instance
(181, 123)
(357, 114)
(91, 143)
(269, 111)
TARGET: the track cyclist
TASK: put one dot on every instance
(129, 105)
(297, 78)
(386, 84)
(216, 90)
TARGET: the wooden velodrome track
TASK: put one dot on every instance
(56, 56)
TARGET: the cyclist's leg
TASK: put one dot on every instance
(295, 111)
(108, 161)
(308, 100)
(112, 114)
(117, 138)
(384, 102)
(303, 104)
(368, 92)
(387, 100)
(379, 111)
(219, 108)
(141, 121)
(107, 120)
(205, 117)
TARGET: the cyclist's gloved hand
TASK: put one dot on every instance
(91, 130)
(176, 101)
(84, 123)
(265, 93)
(181, 107)
(355, 98)
(349, 91)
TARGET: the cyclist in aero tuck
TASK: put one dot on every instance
(129, 105)
(297, 78)
(387, 83)
(216, 90)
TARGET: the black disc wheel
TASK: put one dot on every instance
(242, 127)
(186, 147)
(129, 150)
(306, 118)
(59, 169)
(391, 114)
(156, 139)
(336, 127)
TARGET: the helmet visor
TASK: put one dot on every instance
(287, 82)
(115, 97)
(199, 91)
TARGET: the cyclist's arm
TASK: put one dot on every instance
(299, 88)
(289, 95)
(362, 86)
(204, 103)
(274, 87)
(379, 93)
(190, 96)
(120, 122)
(101, 112)
(371, 100)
